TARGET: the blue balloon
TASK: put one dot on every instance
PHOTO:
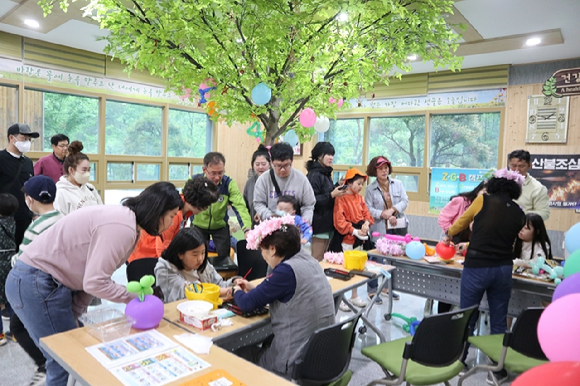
(261, 94)
(573, 238)
(291, 138)
(415, 250)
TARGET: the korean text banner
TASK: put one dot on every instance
(446, 183)
(560, 174)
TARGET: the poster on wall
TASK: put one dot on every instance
(446, 182)
(560, 174)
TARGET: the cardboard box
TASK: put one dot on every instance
(200, 324)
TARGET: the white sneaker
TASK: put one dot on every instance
(358, 302)
(38, 379)
(344, 308)
(3, 340)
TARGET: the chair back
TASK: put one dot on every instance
(524, 335)
(440, 339)
(327, 353)
(250, 259)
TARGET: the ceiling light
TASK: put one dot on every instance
(412, 57)
(533, 41)
(343, 16)
(31, 23)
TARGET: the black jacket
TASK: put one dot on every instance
(320, 178)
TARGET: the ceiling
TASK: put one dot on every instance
(496, 33)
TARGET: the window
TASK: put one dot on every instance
(465, 140)
(8, 111)
(115, 196)
(133, 129)
(400, 139)
(52, 113)
(117, 171)
(411, 183)
(93, 172)
(188, 134)
(346, 135)
(178, 172)
(148, 172)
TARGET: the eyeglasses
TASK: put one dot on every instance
(216, 174)
(282, 166)
(62, 146)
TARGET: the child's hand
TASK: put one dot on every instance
(362, 233)
(303, 241)
(226, 293)
(365, 228)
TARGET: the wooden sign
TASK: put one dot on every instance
(563, 83)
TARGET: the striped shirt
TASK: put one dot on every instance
(38, 226)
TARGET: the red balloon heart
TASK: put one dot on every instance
(555, 373)
(445, 252)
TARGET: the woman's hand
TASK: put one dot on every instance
(393, 221)
(446, 240)
(387, 213)
(245, 285)
(337, 192)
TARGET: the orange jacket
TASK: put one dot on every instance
(153, 246)
(348, 209)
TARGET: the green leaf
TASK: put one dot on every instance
(148, 291)
(133, 287)
(147, 281)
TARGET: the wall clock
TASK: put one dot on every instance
(547, 119)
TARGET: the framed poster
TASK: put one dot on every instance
(560, 174)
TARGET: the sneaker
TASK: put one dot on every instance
(379, 301)
(500, 377)
(8, 335)
(3, 340)
(358, 302)
(344, 308)
(5, 314)
(39, 377)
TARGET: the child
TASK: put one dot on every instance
(287, 206)
(184, 262)
(532, 241)
(352, 220)
(39, 195)
(8, 206)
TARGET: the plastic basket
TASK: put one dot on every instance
(355, 260)
(107, 323)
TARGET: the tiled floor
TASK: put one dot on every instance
(16, 368)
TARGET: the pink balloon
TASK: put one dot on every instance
(147, 314)
(559, 330)
(340, 101)
(331, 100)
(307, 117)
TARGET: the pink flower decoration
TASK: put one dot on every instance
(391, 247)
(266, 228)
(334, 258)
(510, 175)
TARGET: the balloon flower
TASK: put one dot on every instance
(147, 310)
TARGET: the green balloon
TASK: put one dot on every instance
(133, 286)
(148, 291)
(147, 281)
(572, 264)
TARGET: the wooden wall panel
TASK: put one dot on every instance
(34, 115)
(8, 112)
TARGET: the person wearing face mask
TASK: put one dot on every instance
(73, 189)
(15, 170)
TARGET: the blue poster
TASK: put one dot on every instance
(446, 183)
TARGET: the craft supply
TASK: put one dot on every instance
(216, 377)
(247, 273)
(199, 344)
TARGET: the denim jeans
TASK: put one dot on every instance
(497, 283)
(45, 308)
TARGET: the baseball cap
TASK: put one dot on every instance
(22, 128)
(381, 161)
(41, 188)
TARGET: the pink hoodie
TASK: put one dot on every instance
(452, 211)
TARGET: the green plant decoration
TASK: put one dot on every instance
(549, 88)
(142, 287)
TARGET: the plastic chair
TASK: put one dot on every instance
(516, 351)
(433, 355)
(250, 259)
(326, 355)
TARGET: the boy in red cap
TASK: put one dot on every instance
(352, 220)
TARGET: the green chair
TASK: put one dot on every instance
(432, 356)
(516, 351)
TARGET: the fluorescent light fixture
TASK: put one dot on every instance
(343, 16)
(412, 57)
(533, 41)
(31, 23)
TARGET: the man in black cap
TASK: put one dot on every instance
(15, 170)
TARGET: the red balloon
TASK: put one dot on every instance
(551, 373)
(444, 251)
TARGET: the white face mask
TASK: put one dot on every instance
(82, 178)
(22, 146)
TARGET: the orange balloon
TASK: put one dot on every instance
(430, 251)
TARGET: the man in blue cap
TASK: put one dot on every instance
(39, 194)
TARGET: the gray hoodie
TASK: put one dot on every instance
(296, 185)
(173, 281)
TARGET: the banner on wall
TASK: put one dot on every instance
(17, 70)
(446, 183)
(560, 174)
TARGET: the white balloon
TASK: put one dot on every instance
(322, 124)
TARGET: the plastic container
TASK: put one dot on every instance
(196, 314)
(107, 323)
(355, 260)
(208, 292)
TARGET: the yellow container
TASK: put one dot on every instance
(207, 291)
(355, 260)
